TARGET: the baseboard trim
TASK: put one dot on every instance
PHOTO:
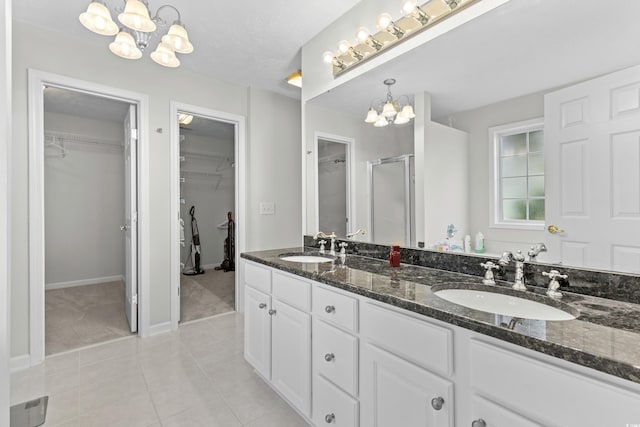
(160, 328)
(209, 266)
(19, 363)
(83, 282)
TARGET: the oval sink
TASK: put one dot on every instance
(307, 259)
(508, 304)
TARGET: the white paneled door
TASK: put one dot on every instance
(131, 219)
(592, 162)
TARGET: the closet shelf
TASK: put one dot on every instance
(58, 141)
(201, 173)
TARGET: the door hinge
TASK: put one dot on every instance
(134, 134)
(134, 299)
(178, 290)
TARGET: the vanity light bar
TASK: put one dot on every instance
(415, 19)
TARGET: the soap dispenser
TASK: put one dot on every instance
(394, 256)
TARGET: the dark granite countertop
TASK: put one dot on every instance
(605, 336)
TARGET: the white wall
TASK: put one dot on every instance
(477, 122)
(5, 176)
(212, 196)
(274, 139)
(274, 171)
(370, 143)
(84, 203)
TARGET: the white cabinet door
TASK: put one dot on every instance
(291, 354)
(394, 392)
(257, 331)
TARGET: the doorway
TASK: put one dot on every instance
(89, 171)
(334, 169)
(207, 197)
(207, 204)
(87, 203)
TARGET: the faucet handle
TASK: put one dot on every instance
(488, 275)
(342, 245)
(554, 286)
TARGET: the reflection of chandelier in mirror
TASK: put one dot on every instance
(383, 112)
(415, 19)
(136, 31)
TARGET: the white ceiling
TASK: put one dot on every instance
(250, 42)
(522, 47)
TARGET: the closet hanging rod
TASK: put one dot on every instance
(51, 137)
(201, 173)
(196, 153)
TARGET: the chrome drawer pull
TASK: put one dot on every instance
(272, 312)
(479, 423)
(330, 309)
(329, 357)
(437, 402)
(329, 418)
(262, 305)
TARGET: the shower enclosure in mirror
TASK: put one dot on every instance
(334, 207)
(392, 196)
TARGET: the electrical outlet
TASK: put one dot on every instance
(267, 208)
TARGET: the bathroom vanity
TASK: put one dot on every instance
(355, 342)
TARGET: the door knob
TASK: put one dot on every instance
(554, 229)
(124, 227)
(437, 403)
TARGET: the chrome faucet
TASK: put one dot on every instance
(489, 279)
(332, 236)
(518, 258)
(322, 243)
(355, 233)
(554, 286)
(535, 250)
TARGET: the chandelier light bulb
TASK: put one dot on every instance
(165, 56)
(97, 19)
(178, 39)
(381, 121)
(401, 119)
(327, 57)
(125, 46)
(136, 17)
(384, 20)
(343, 46)
(362, 34)
(389, 110)
(409, 6)
(408, 112)
(372, 116)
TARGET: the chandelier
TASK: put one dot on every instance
(136, 30)
(387, 111)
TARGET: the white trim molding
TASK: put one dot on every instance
(495, 198)
(20, 363)
(84, 282)
(36, 81)
(240, 191)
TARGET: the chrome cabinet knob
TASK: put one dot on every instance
(329, 418)
(272, 312)
(479, 423)
(329, 357)
(437, 403)
(330, 309)
(124, 227)
(262, 305)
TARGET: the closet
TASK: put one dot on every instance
(207, 200)
(84, 206)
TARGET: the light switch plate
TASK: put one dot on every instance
(267, 208)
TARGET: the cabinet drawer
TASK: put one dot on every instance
(332, 406)
(495, 415)
(423, 343)
(335, 308)
(335, 356)
(548, 394)
(292, 290)
(257, 277)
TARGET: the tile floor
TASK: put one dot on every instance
(196, 376)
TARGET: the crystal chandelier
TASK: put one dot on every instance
(136, 30)
(383, 112)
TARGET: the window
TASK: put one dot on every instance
(518, 175)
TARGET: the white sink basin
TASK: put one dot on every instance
(306, 258)
(507, 305)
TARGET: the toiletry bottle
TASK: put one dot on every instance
(479, 243)
(394, 256)
(467, 243)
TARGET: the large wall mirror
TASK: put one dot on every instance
(522, 71)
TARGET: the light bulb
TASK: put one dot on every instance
(381, 121)
(408, 6)
(362, 34)
(384, 20)
(100, 23)
(327, 57)
(389, 110)
(343, 46)
(401, 119)
(408, 112)
(372, 116)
